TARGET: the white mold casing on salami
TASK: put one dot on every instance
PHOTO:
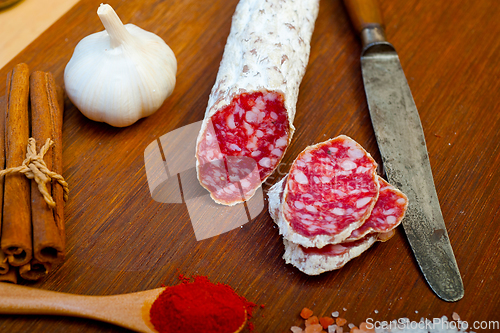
(267, 51)
(315, 263)
(278, 196)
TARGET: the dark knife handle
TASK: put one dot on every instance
(367, 20)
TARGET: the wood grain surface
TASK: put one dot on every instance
(120, 240)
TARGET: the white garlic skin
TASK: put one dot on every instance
(120, 85)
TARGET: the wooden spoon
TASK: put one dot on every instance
(127, 310)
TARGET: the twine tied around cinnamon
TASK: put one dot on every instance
(34, 167)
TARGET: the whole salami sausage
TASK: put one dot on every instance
(329, 192)
(252, 105)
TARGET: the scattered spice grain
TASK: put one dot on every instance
(452, 327)
(313, 320)
(306, 313)
(365, 328)
(314, 328)
(326, 321)
(340, 321)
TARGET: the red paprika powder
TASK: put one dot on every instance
(200, 306)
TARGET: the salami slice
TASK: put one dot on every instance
(385, 236)
(330, 191)
(314, 261)
(252, 105)
(387, 213)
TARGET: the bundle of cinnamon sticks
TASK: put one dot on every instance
(32, 234)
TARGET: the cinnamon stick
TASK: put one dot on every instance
(10, 276)
(48, 241)
(34, 270)
(57, 163)
(16, 240)
(4, 266)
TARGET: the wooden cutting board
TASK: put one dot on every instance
(120, 240)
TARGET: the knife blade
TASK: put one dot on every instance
(401, 142)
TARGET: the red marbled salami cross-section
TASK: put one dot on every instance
(243, 145)
(331, 188)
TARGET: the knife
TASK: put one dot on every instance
(401, 142)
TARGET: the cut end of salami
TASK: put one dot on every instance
(242, 145)
(332, 206)
(252, 105)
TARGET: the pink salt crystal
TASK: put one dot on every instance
(314, 328)
(363, 327)
(296, 329)
(455, 316)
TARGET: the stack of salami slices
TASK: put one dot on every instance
(332, 206)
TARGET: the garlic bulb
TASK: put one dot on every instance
(121, 74)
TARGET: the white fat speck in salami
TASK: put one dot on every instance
(324, 200)
(252, 105)
(387, 214)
